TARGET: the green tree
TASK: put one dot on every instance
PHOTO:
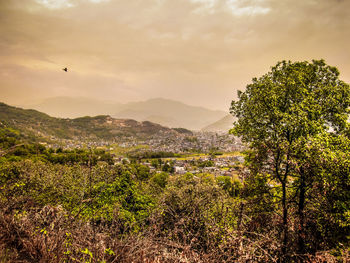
(160, 179)
(279, 114)
(323, 205)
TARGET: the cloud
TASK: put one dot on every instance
(62, 4)
(236, 7)
(55, 4)
(197, 51)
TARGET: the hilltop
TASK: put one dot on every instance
(222, 125)
(33, 123)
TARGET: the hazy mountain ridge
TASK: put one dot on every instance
(222, 125)
(170, 113)
(166, 112)
(35, 123)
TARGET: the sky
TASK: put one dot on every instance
(199, 52)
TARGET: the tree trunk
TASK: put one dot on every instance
(285, 219)
(283, 180)
(240, 216)
(301, 205)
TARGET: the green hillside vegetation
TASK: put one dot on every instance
(36, 124)
(58, 204)
(14, 147)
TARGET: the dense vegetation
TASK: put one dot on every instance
(66, 212)
(291, 204)
(151, 155)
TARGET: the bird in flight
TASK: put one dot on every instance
(65, 69)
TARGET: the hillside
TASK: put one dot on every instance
(37, 124)
(222, 125)
(166, 112)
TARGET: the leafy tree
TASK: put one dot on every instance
(206, 163)
(8, 137)
(142, 172)
(324, 165)
(279, 114)
(155, 163)
(232, 187)
(160, 179)
(168, 167)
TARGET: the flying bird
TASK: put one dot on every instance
(65, 69)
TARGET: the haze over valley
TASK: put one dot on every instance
(199, 52)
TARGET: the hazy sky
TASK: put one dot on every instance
(195, 51)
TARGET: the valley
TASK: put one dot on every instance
(265, 185)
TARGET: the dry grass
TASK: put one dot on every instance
(51, 235)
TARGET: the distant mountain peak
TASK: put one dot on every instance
(170, 113)
(222, 125)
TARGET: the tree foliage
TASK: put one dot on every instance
(294, 119)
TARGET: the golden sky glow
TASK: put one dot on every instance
(196, 51)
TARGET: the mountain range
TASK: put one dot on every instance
(35, 124)
(165, 112)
